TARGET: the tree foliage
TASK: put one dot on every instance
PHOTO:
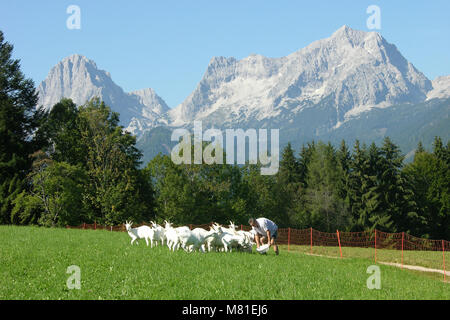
(19, 120)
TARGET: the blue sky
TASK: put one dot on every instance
(166, 45)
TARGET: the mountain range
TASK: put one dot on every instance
(351, 85)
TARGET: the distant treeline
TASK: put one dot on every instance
(75, 164)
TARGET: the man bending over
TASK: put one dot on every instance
(264, 229)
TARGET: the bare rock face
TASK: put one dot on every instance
(355, 70)
(78, 78)
(441, 88)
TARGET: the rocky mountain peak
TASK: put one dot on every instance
(78, 78)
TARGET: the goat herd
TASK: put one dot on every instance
(218, 238)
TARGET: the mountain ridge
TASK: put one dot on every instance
(78, 78)
(307, 75)
(312, 91)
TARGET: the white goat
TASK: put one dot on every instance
(195, 238)
(233, 240)
(182, 230)
(249, 235)
(215, 243)
(229, 238)
(142, 232)
(159, 233)
(172, 238)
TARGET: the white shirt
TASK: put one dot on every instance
(264, 225)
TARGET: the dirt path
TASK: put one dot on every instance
(417, 268)
(321, 255)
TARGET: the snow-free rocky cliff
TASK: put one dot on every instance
(355, 70)
(310, 92)
(78, 78)
(441, 88)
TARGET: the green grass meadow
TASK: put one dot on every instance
(34, 261)
(427, 259)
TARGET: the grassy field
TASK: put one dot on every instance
(428, 259)
(34, 261)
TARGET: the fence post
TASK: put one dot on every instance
(403, 238)
(443, 257)
(289, 238)
(84, 225)
(95, 225)
(375, 245)
(190, 226)
(339, 241)
(311, 241)
(242, 227)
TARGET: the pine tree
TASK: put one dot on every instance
(18, 121)
(289, 171)
(441, 152)
(396, 196)
(363, 188)
(420, 148)
(304, 160)
(324, 203)
(344, 157)
(289, 188)
(430, 184)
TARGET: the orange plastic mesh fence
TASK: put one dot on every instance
(414, 243)
(312, 237)
(364, 239)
